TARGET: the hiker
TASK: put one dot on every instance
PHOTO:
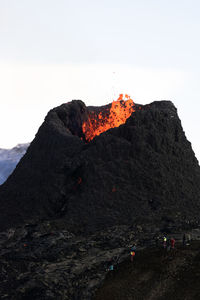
(172, 241)
(164, 242)
(168, 245)
(184, 240)
(110, 265)
(188, 239)
(132, 255)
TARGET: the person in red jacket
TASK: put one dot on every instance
(172, 241)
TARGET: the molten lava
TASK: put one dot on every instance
(111, 117)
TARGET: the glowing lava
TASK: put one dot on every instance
(114, 116)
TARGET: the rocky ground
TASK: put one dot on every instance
(156, 274)
(42, 262)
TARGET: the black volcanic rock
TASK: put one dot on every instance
(143, 171)
(70, 206)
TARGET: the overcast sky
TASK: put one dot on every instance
(53, 51)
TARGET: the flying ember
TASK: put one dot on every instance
(112, 116)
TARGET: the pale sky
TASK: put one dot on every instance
(53, 51)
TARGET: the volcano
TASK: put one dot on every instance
(94, 181)
(95, 167)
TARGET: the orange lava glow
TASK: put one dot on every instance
(118, 113)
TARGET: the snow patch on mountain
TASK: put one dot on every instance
(9, 158)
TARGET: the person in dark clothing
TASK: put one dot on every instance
(184, 240)
(168, 245)
(188, 239)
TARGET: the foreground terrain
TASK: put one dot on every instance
(45, 262)
(156, 274)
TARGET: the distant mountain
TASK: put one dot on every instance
(9, 159)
